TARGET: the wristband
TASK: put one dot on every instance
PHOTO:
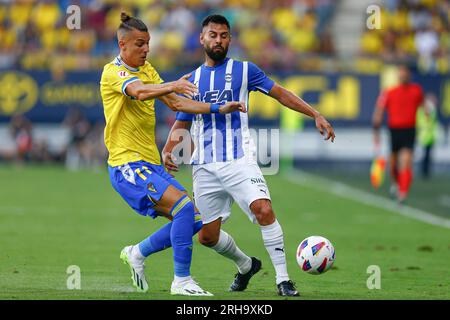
(214, 108)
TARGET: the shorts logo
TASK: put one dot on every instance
(151, 187)
(123, 74)
(127, 173)
(257, 180)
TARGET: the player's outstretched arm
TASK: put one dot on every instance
(178, 103)
(294, 102)
(178, 132)
(141, 91)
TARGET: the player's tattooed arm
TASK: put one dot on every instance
(294, 102)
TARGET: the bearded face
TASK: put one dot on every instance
(215, 39)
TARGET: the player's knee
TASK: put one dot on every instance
(207, 239)
(183, 206)
(264, 213)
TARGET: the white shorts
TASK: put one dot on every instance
(216, 185)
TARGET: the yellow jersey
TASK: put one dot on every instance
(130, 123)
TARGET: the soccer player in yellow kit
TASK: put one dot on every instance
(128, 86)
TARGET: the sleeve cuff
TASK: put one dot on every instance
(266, 86)
(184, 116)
(126, 83)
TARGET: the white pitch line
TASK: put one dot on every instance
(351, 193)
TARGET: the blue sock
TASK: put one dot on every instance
(160, 240)
(181, 235)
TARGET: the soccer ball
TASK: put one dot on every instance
(315, 255)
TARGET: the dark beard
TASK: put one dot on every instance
(216, 56)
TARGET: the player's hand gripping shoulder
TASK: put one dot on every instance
(324, 127)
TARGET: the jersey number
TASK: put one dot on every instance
(140, 174)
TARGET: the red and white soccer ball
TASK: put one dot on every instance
(315, 255)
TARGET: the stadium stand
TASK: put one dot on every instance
(34, 34)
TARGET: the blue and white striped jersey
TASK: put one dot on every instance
(224, 137)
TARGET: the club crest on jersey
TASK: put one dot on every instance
(151, 187)
(123, 74)
(228, 77)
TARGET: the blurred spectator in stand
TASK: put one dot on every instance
(427, 44)
(41, 152)
(324, 10)
(178, 18)
(414, 32)
(99, 153)
(79, 151)
(21, 132)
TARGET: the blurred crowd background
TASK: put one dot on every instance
(416, 32)
(284, 34)
(293, 36)
(271, 33)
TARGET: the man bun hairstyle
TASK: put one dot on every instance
(129, 23)
(216, 18)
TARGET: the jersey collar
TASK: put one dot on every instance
(216, 66)
(121, 62)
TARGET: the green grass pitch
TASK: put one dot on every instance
(51, 218)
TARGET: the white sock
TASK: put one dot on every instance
(136, 253)
(272, 235)
(179, 280)
(228, 248)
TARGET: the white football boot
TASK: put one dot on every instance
(137, 267)
(188, 288)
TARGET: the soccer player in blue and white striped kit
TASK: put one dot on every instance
(224, 158)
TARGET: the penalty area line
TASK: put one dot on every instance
(345, 191)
